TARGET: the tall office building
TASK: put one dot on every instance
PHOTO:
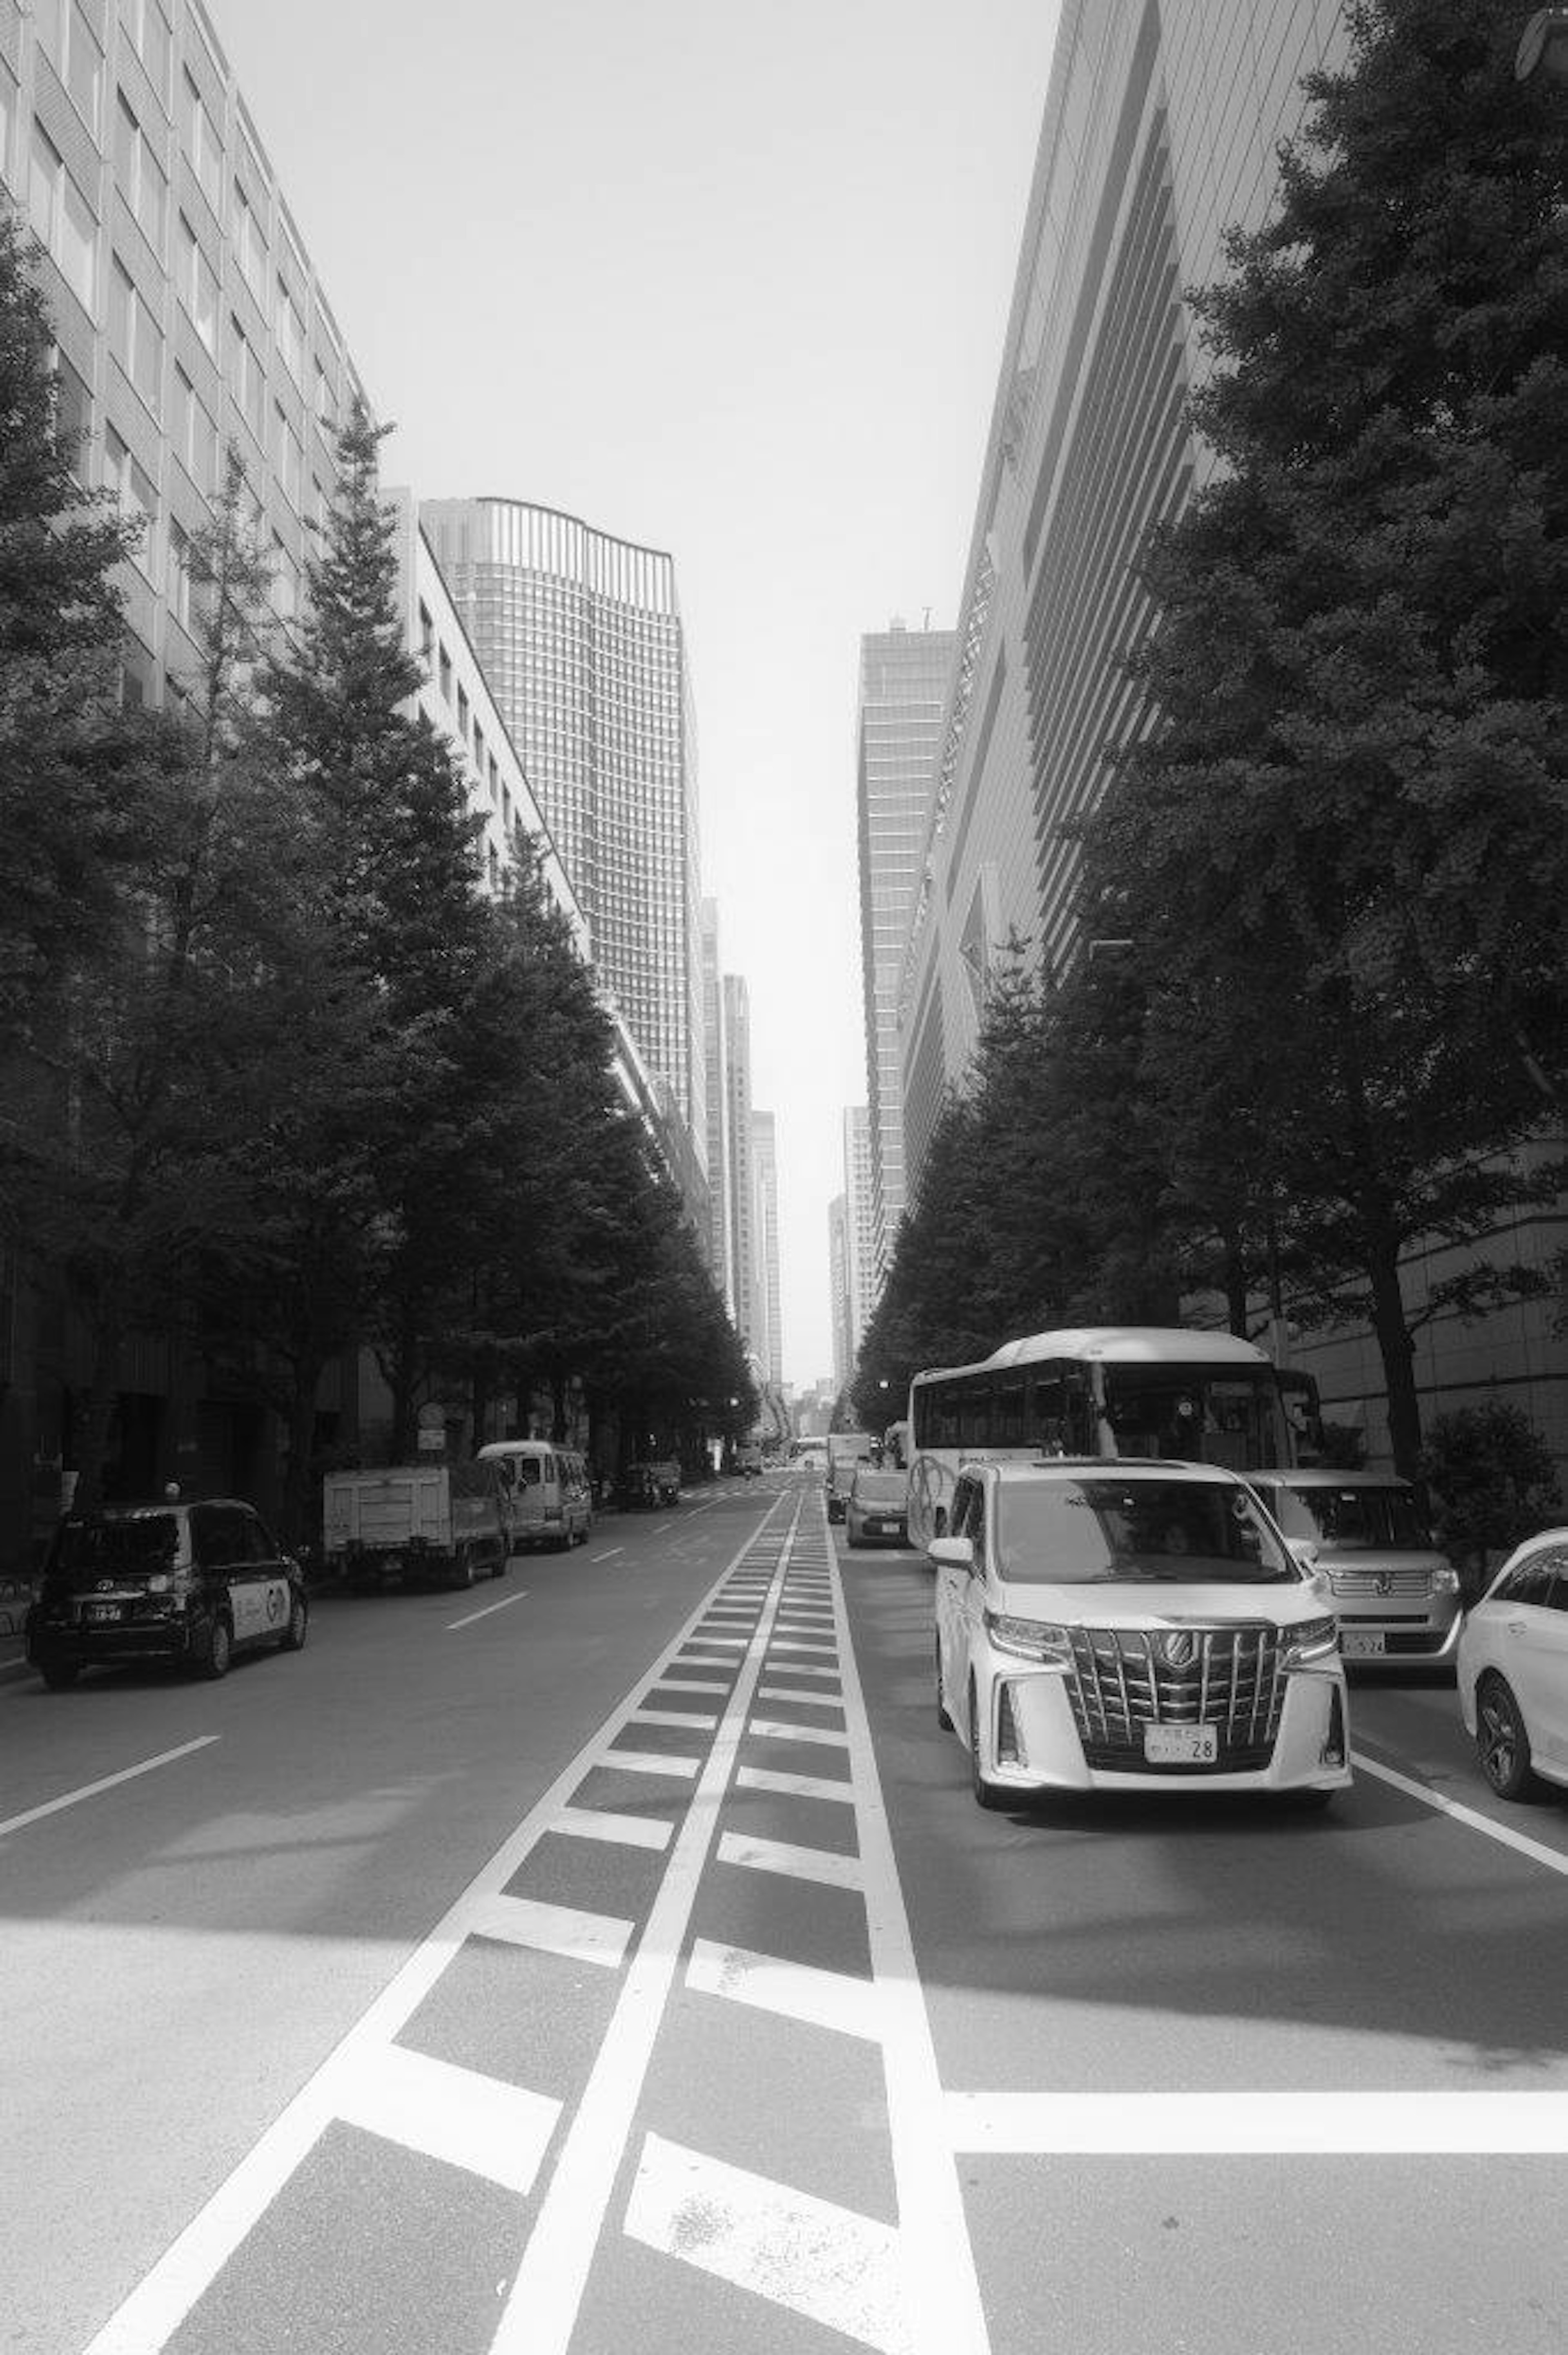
(741, 1184)
(768, 1311)
(902, 697)
(721, 1256)
(580, 635)
(839, 1293)
(863, 1281)
(1161, 130)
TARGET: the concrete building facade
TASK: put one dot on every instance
(898, 725)
(721, 1209)
(862, 1278)
(767, 1299)
(742, 1186)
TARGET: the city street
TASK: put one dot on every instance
(613, 1957)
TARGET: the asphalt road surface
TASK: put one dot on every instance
(612, 1959)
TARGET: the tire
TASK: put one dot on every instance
(464, 1576)
(60, 1675)
(1502, 1744)
(498, 1563)
(299, 1625)
(944, 1714)
(214, 1658)
(989, 1795)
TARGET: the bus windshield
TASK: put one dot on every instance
(1194, 1413)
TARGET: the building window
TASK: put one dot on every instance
(202, 143)
(285, 581)
(140, 175)
(289, 328)
(446, 676)
(462, 716)
(325, 400)
(144, 22)
(194, 434)
(73, 416)
(61, 216)
(10, 115)
(68, 38)
(249, 243)
(135, 494)
(288, 459)
(248, 383)
(136, 337)
(177, 575)
(197, 282)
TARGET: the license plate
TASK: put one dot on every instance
(99, 1613)
(1364, 1644)
(1180, 1745)
(881, 1528)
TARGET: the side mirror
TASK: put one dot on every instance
(952, 1553)
(1303, 1552)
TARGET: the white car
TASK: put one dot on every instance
(1513, 1669)
(1106, 1626)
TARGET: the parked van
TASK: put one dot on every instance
(547, 1493)
(846, 1450)
(1395, 1593)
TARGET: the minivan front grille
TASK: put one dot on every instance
(1125, 1678)
(1373, 1582)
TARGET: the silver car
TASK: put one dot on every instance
(1395, 1594)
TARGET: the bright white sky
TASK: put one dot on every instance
(730, 277)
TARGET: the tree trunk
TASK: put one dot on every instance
(299, 1515)
(1391, 1328)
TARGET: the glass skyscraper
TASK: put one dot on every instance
(580, 636)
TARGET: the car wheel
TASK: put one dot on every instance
(60, 1675)
(944, 1714)
(498, 1563)
(1501, 1740)
(989, 1795)
(216, 1652)
(465, 1568)
(294, 1634)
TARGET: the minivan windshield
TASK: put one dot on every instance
(880, 1487)
(1095, 1532)
(1365, 1519)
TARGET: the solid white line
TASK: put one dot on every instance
(1537, 1850)
(837, 2268)
(775, 1729)
(603, 1823)
(546, 2291)
(516, 1596)
(107, 1783)
(552, 1929)
(947, 2316)
(822, 1864)
(477, 2122)
(154, 2309)
(794, 1786)
(795, 1990)
(649, 1762)
(1315, 2125)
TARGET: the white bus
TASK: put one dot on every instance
(1107, 1390)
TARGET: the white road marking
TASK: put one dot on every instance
(153, 2311)
(1315, 2125)
(696, 1720)
(519, 1595)
(943, 2288)
(796, 1990)
(603, 1823)
(776, 1728)
(651, 1761)
(105, 1782)
(824, 1864)
(477, 2122)
(1553, 1858)
(802, 1668)
(794, 1786)
(826, 2263)
(546, 2291)
(552, 1929)
(686, 1684)
(804, 1644)
(608, 1555)
(802, 1699)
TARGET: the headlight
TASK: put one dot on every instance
(1445, 1581)
(1031, 1639)
(1312, 1640)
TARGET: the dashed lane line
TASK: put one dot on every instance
(835, 2267)
(105, 1783)
(519, 1595)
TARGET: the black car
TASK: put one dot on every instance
(189, 1583)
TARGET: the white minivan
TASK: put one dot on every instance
(546, 1492)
